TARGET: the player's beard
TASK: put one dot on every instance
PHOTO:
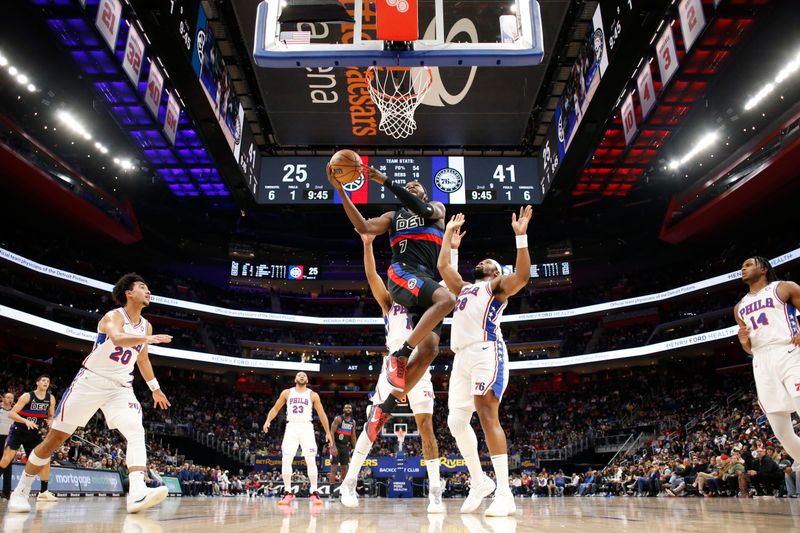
(479, 273)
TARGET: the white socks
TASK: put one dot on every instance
(500, 464)
(434, 480)
(24, 485)
(363, 447)
(313, 474)
(286, 472)
(136, 480)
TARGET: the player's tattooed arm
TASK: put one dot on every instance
(744, 331)
(789, 291)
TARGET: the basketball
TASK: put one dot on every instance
(346, 166)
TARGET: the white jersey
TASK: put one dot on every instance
(398, 327)
(5, 421)
(772, 322)
(116, 362)
(476, 317)
(298, 406)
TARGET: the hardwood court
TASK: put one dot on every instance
(233, 515)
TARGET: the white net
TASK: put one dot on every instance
(401, 438)
(398, 92)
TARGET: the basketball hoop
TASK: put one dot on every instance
(398, 91)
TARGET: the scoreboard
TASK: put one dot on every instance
(450, 180)
(263, 270)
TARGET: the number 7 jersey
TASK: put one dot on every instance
(116, 362)
(772, 321)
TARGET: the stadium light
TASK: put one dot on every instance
(3, 60)
(32, 87)
(22, 79)
(72, 123)
(704, 142)
(788, 69)
(13, 71)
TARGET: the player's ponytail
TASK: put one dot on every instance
(764, 263)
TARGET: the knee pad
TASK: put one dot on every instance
(132, 429)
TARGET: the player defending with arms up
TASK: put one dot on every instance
(299, 432)
(415, 232)
(105, 382)
(768, 330)
(480, 365)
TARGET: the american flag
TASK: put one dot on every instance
(295, 37)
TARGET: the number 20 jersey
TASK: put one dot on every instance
(476, 317)
(116, 362)
(772, 322)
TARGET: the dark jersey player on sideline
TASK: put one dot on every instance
(343, 430)
(415, 233)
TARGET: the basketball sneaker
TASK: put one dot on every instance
(288, 497)
(396, 372)
(46, 496)
(139, 501)
(315, 499)
(347, 493)
(377, 418)
(477, 492)
(503, 505)
(18, 503)
(435, 504)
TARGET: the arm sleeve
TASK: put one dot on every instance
(417, 206)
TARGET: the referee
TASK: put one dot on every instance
(5, 426)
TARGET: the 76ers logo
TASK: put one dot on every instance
(400, 5)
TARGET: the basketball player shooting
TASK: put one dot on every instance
(105, 382)
(299, 432)
(768, 330)
(480, 364)
(415, 232)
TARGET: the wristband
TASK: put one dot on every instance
(522, 241)
(454, 257)
(153, 384)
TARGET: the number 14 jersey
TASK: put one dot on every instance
(772, 321)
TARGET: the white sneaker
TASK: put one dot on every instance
(347, 494)
(477, 492)
(435, 504)
(46, 496)
(503, 505)
(18, 503)
(144, 500)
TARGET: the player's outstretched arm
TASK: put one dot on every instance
(16, 417)
(112, 325)
(279, 403)
(146, 369)
(448, 271)
(513, 283)
(373, 226)
(376, 284)
(323, 418)
(429, 210)
(789, 291)
(744, 331)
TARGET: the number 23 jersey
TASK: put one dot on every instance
(772, 321)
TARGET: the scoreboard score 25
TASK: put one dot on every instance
(448, 179)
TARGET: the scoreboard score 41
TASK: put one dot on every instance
(450, 180)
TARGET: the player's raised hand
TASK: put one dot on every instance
(160, 399)
(455, 238)
(520, 224)
(456, 221)
(158, 339)
(373, 174)
(366, 238)
(333, 181)
(744, 334)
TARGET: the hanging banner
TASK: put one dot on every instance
(667, 58)
(628, 115)
(647, 94)
(692, 21)
(108, 19)
(155, 85)
(134, 55)
(171, 119)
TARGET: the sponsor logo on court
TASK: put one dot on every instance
(448, 180)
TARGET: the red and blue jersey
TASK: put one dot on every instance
(415, 241)
(36, 409)
(344, 433)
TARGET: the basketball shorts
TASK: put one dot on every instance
(88, 393)
(478, 369)
(413, 288)
(27, 438)
(344, 456)
(777, 374)
(299, 434)
(420, 398)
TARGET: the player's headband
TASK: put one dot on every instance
(496, 265)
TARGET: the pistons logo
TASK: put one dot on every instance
(400, 5)
(412, 283)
